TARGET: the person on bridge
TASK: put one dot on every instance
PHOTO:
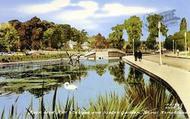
(139, 55)
(136, 55)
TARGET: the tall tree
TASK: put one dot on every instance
(100, 41)
(116, 37)
(83, 37)
(37, 34)
(48, 37)
(133, 26)
(34, 33)
(31, 32)
(151, 42)
(79, 36)
(168, 44)
(9, 38)
(54, 37)
(178, 37)
(153, 21)
(183, 25)
(188, 40)
(66, 33)
(91, 41)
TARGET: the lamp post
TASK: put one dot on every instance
(133, 47)
(173, 47)
(160, 45)
(185, 35)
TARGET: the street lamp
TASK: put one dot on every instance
(133, 47)
(160, 45)
(185, 34)
(173, 47)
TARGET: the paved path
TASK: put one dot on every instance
(175, 56)
(178, 79)
(171, 61)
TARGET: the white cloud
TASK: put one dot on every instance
(85, 24)
(44, 8)
(81, 17)
(88, 14)
(88, 8)
(116, 9)
(91, 13)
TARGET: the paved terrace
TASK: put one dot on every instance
(177, 79)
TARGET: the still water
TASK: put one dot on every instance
(29, 82)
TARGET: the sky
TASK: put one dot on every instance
(95, 16)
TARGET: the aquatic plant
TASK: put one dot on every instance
(158, 102)
(110, 106)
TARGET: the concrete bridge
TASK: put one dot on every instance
(176, 79)
(105, 54)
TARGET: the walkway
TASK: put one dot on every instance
(171, 61)
(178, 79)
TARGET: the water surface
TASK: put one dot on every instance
(29, 82)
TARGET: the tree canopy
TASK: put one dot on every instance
(133, 26)
(100, 41)
(36, 34)
(179, 37)
(31, 32)
(153, 21)
(168, 44)
(9, 38)
(183, 25)
(116, 37)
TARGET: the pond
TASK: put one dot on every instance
(25, 85)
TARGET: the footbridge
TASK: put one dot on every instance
(105, 54)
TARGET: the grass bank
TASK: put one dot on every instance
(18, 58)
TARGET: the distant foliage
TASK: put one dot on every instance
(31, 32)
(179, 40)
(79, 36)
(183, 25)
(151, 42)
(100, 42)
(179, 37)
(168, 44)
(36, 34)
(9, 38)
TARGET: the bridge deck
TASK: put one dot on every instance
(177, 79)
(105, 53)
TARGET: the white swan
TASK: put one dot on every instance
(68, 86)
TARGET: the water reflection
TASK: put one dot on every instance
(100, 69)
(118, 72)
(158, 99)
(93, 79)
